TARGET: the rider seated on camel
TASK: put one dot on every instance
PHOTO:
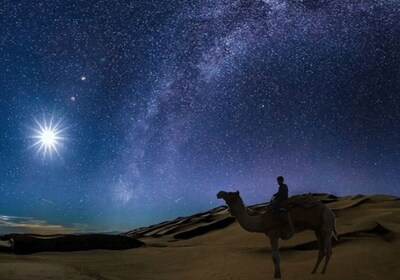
(279, 197)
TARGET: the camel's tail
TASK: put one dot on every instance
(335, 234)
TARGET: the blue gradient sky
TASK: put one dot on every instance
(164, 103)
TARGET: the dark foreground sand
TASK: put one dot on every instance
(212, 246)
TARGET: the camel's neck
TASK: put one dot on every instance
(249, 223)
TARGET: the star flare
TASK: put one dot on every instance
(49, 136)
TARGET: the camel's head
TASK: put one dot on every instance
(221, 194)
(231, 198)
(228, 196)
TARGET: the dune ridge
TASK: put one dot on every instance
(348, 224)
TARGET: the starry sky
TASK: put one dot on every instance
(154, 106)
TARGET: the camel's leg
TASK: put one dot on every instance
(273, 238)
(327, 248)
(320, 251)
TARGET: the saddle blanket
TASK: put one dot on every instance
(303, 209)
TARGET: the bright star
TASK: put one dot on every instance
(49, 136)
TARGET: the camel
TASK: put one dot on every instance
(321, 221)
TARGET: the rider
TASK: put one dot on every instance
(280, 196)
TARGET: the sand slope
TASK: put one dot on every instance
(212, 245)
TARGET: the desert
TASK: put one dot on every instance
(212, 245)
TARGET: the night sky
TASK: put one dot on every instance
(120, 114)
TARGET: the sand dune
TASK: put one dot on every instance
(211, 245)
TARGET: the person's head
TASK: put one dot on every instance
(280, 180)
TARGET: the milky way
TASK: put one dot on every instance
(165, 103)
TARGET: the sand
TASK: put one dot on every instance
(368, 248)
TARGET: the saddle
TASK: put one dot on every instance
(304, 203)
